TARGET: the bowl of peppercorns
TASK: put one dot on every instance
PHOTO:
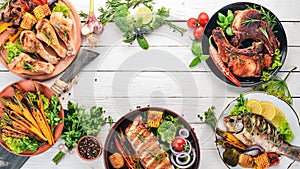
(89, 148)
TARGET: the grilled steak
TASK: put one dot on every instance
(247, 24)
(146, 146)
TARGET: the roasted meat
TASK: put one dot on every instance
(244, 62)
(248, 24)
(63, 27)
(46, 33)
(225, 48)
(245, 66)
(146, 146)
(12, 12)
(27, 65)
(31, 44)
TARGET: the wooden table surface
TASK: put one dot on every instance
(125, 76)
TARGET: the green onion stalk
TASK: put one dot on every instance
(92, 28)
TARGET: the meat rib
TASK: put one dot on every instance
(248, 24)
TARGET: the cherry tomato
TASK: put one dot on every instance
(203, 18)
(179, 143)
(198, 32)
(273, 159)
(268, 60)
(192, 23)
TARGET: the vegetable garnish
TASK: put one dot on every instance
(24, 124)
(197, 52)
(13, 50)
(92, 28)
(209, 117)
(62, 8)
(78, 123)
(240, 107)
(277, 87)
(225, 21)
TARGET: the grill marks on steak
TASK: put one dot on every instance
(246, 62)
(146, 146)
(247, 24)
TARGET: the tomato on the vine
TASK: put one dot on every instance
(179, 143)
(192, 23)
(198, 32)
(203, 18)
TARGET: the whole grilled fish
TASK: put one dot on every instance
(254, 129)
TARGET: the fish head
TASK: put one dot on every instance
(234, 124)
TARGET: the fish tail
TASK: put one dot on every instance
(292, 152)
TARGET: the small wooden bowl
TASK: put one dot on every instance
(87, 148)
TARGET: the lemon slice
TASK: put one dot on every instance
(268, 110)
(255, 106)
(279, 116)
(144, 13)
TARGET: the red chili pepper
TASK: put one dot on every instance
(221, 66)
(268, 60)
(129, 162)
(273, 159)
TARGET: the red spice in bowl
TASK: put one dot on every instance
(89, 148)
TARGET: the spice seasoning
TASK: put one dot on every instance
(89, 148)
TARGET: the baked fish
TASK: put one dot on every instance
(253, 129)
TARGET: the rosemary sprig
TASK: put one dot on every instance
(248, 21)
(28, 66)
(266, 15)
(48, 35)
(108, 13)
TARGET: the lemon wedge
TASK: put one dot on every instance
(268, 110)
(279, 116)
(144, 13)
(255, 106)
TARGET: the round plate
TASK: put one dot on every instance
(110, 147)
(212, 24)
(290, 115)
(28, 86)
(63, 63)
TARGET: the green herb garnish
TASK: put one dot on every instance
(28, 66)
(13, 50)
(277, 87)
(240, 107)
(225, 21)
(197, 52)
(62, 8)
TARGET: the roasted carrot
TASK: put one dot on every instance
(43, 125)
(20, 110)
(11, 132)
(42, 117)
(23, 122)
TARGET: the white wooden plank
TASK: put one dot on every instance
(184, 9)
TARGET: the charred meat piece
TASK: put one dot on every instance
(31, 44)
(146, 146)
(225, 48)
(63, 27)
(27, 65)
(248, 24)
(245, 66)
(46, 33)
(12, 12)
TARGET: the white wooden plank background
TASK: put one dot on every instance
(165, 83)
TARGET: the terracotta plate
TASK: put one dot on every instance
(212, 24)
(123, 122)
(25, 86)
(64, 63)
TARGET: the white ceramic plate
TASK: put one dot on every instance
(289, 112)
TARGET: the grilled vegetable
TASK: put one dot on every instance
(28, 21)
(42, 11)
(11, 132)
(231, 139)
(231, 157)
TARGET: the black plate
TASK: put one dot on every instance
(110, 147)
(212, 24)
